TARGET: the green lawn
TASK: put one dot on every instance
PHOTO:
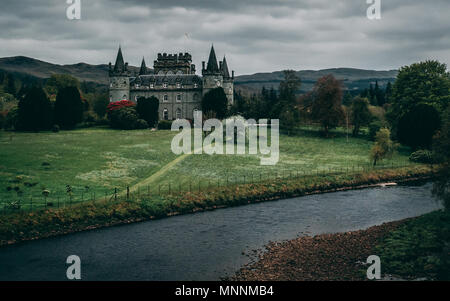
(96, 160)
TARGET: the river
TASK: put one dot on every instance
(209, 245)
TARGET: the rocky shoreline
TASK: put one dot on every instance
(332, 257)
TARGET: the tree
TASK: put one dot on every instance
(421, 83)
(287, 100)
(441, 148)
(383, 147)
(216, 101)
(35, 111)
(100, 103)
(68, 107)
(417, 127)
(148, 109)
(59, 81)
(360, 114)
(326, 107)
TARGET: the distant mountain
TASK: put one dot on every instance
(353, 79)
(40, 69)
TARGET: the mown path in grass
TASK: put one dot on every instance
(148, 181)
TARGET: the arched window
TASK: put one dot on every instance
(166, 114)
(165, 98)
(178, 113)
(178, 97)
(196, 97)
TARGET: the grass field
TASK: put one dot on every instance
(95, 161)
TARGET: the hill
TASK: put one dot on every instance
(353, 79)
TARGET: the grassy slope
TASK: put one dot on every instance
(102, 159)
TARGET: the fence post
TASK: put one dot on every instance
(115, 193)
(128, 192)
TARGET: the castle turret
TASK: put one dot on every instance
(228, 85)
(119, 79)
(143, 70)
(212, 76)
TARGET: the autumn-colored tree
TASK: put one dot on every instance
(384, 147)
(326, 107)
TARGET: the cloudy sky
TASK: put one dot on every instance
(255, 35)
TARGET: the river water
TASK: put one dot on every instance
(208, 245)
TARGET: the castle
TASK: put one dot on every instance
(173, 81)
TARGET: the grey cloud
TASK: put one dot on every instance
(256, 36)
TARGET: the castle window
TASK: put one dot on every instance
(178, 113)
(165, 85)
(195, 85)
(178, 97)
(195, 97)
(152, 86)
(166, 98)
(166, 114)
(178, 85)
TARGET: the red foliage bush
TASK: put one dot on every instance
(116, 105)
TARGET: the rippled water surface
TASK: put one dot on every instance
(208, 245)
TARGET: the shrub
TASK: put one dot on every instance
(55, 128)
(117, 105)
(123, 118)
(165, 125)
(141, 124)
(422, 156)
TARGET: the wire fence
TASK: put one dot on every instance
(71, 196)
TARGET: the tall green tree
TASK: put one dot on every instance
(215, 101)
(68, 107)
(148, 109)
(34, 111)
(287, 99)
(420, 83)
(417, 127)
(326, 107)
(360, 114)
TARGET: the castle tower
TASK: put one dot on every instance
(228, 85)
(119, 79)
(212, 76)
(143, 70)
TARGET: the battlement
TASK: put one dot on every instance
(174, 63)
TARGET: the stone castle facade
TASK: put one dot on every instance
(173, 81)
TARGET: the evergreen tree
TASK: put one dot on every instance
(215, 101)
(34, 111)
(68, 107)
(148, 110)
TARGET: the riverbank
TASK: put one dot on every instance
(34, 225)
(410, 249)
(334, 257)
